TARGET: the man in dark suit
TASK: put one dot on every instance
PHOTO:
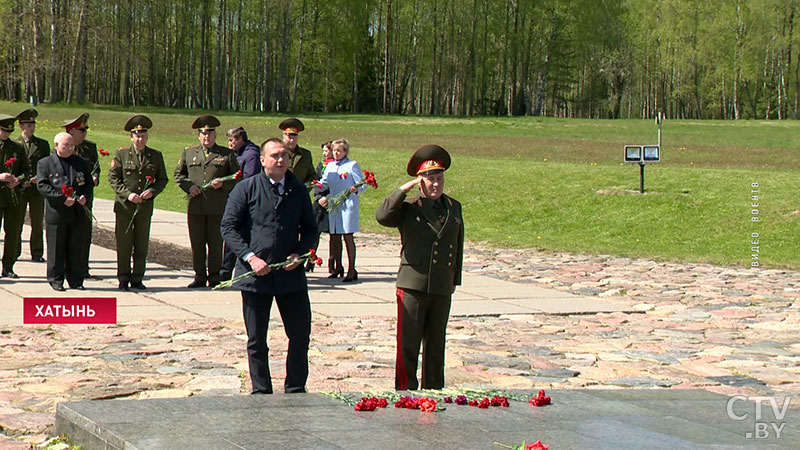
(86, 149)
(248, 155)
(137, 174)
(268, 219)
(64, 215)
(432, 234)
(36, 149)
(206, 163)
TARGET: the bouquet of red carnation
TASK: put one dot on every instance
(203, 188)
(148, 181)
(339, 199)
(535, 446)
(69, 192)
(10, 162)
(310, 256)
(540, 400)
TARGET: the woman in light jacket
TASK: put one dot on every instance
(342, 174)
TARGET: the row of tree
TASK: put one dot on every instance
(725, 59)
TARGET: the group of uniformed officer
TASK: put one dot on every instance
(430, 224)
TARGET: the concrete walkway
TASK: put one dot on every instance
(372, 295)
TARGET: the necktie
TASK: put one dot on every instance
(276, 189)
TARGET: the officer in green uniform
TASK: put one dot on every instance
(432, 236)
(86, 149)
(13, 173)
(36, 148)
(137, 174)
(204, 165)
(301, 164)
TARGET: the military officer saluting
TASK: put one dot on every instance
(36, 148)
(137, 174)
(432, 236)
(200, 165)
(86, 149)
(300, 162)
(13, 173)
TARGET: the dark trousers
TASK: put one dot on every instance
(228, 263)
(87, 239)
(421, 318)
(12, 217)
(134, 243)
(206, 240)
(295, 310)
(64, 251)
(34, 204)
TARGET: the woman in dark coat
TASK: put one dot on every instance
(320, 212)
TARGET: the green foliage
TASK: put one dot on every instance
(552, 184)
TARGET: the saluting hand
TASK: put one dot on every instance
(410, 184)
(259, 266)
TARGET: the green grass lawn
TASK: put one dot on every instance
(553, 184)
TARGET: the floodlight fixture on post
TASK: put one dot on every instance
(642, 154)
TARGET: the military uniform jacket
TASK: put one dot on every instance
(432, 247)
(302, 167)
(88, 151)
(128, 174)
(36, 149)
(273, 227)
(195, 169)
(51, 175)
(19, 167)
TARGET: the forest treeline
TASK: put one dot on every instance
(722, 59)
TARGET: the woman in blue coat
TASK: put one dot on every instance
(342, 174)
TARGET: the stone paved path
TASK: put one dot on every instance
(723, 329)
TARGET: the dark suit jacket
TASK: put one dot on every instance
(249, 158)
(431, 256)
(252, 223)
(50, 176)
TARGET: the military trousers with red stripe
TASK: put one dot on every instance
(421, 320)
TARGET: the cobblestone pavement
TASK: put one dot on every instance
(724, 329)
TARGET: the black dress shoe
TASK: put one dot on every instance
(79, 287)
(138, 285)
(9, 274)
(57, 287)
(37, 259)
(213, 284)
(123, 286)
(197, 284)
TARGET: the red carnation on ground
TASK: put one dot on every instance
(103, 152)
(540, 400)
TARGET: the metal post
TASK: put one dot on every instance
(641, 178)
(659, 118)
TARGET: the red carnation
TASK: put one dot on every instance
(540, 400)
(10, 162)
(238, 175)
(536, 446)
(149, 179)
(103, 152)
(67, 190)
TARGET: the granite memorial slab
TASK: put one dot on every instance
(576, 419)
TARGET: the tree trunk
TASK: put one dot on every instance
(299, 63)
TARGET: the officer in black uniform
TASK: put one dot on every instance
(36, 148)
